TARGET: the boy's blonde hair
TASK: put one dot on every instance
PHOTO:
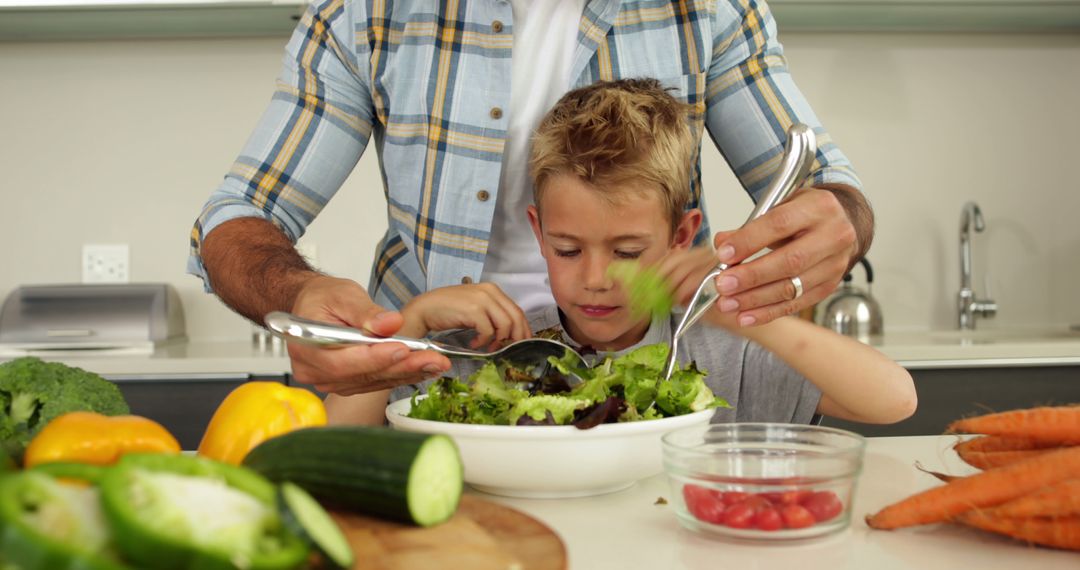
(617, 136)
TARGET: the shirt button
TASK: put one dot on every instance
(496, 113)
(466, 280)
(483, 195)
(497, 26)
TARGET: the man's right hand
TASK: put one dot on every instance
(355, 369)
(255, 269)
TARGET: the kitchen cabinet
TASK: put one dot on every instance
(108, 19)
(948, 394)
(926, 15)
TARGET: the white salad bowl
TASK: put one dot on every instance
(553, 461)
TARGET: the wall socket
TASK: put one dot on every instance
(105, 263)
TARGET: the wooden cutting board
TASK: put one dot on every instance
(482, 535)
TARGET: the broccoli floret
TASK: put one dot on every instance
(33, 392)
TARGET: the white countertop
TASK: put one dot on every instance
(186, 359)
(925, 349)
(627, 530)
(984, 347)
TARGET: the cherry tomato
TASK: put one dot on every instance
(739, 516)
(824, 505)
(768, 518)
(796, 516)
(793, 497)
(773, 498)
(703, 503)
(734, 497)
(756, 502)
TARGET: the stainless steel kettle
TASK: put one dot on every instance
(853, 312)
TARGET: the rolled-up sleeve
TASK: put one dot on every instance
(311, 135)
(751, 100)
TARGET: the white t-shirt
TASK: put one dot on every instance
(545, 38)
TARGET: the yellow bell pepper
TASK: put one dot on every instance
(88, 437)
(255, 412)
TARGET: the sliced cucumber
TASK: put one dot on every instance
(308, 519)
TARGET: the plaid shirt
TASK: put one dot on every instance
(429, 81)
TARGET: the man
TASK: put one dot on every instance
(451, 91)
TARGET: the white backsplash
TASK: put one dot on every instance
(121, 142)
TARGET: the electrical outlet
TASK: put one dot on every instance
(105, 263)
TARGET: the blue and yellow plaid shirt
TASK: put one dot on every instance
(428, 80)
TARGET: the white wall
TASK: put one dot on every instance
(120, 142)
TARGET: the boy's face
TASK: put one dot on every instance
(580, 234)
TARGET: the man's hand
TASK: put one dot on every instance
(816, 235)
(482, 307)
(254, 269)
(356, 369)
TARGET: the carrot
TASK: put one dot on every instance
(1058, 500)
(992, 443)
(937, 474)
(1060, 424)
(986, 489)
(1063, 532)
(990, 459)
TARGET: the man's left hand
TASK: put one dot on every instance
(815, 236)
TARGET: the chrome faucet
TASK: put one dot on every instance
(967, 303)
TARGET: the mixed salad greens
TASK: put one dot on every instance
(624, 389)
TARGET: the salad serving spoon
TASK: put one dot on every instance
(795, 165)
(524, 353)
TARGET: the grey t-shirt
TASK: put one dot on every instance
(759, 386)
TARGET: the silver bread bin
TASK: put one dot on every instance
(128, 317)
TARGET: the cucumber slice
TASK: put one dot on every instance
(304, 515)
(435, 481)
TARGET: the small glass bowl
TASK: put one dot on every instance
(763, 481)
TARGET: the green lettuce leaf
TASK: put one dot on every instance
(562, 408)
(647, 292)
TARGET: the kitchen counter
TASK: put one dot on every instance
(186, 359)
(913, 350)
(628, 530)
(984, 347)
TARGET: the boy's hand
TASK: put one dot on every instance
(482, 307)
(355, 369)
(815, 235)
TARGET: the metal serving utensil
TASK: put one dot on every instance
(795, 164)
(527, 352)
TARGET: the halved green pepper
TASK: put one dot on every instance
(49, 525)
(188, 513)
(71, 471)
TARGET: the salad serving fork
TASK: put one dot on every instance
(799, 151)
(526, 352)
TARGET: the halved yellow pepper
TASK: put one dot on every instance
(255, 412)
(88, 437)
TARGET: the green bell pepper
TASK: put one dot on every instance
(188, 513)
(49, 525)
(84, 472)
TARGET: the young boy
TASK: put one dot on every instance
(610, 164)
